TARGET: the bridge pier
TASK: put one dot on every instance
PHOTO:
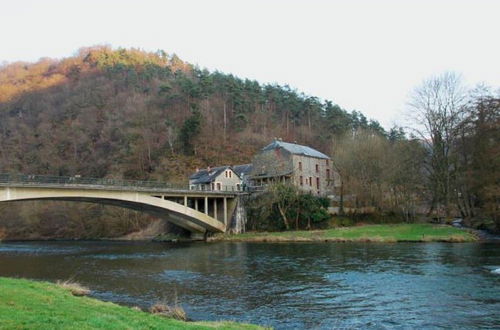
(198, 236)
(225, 211)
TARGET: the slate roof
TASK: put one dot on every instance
(243, 170)
(204, 176)
(296, 149)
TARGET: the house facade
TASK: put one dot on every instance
(306, 168)
(222, 178)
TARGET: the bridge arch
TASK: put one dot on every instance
(159, 204)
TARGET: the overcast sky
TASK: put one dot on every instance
(363, 55)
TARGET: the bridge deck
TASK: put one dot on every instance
(43, 181)
(195, 210)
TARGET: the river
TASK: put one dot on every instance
(285, 285)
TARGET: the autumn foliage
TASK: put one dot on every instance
(126, 113)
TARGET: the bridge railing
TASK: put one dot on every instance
(26, 179)
(34, 180)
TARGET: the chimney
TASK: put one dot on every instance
(208, 168)
(197, 170)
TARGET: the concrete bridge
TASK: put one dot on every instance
(197, 211)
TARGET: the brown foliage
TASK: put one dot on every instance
(119, 114)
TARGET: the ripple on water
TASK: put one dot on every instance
(118, 256)
(181, 275)
(35, 249)
(287, 286)
(495, 270)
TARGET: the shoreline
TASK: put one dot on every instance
(388, 233)
(26, 303)
(393, 233)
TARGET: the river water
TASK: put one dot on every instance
(285, 285)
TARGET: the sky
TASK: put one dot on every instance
(363, 55)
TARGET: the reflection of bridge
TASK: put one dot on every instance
(196, 211)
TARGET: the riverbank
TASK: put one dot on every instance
(41, 305)
(367, 233)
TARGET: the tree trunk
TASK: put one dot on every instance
(297, 220)
(283, 216)
(341, 204)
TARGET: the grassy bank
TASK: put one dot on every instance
(28, 304)
(368, 233)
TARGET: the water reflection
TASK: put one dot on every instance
(296, 285)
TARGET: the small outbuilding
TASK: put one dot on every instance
(222, 178)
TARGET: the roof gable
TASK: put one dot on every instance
(206, 176)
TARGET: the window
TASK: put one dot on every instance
(317, 183)
(301, 180)
(310, 181)
(218, 186)
(213, 186)
(300, 166)
(230, 174)
(317, 168)
(328, 173)
(327, 162)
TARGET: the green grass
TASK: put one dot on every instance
(28, 304)
(373, 233)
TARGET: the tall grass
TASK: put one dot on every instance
(174, 311)
(75, 288)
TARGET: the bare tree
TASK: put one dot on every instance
(438, 106)
(284, 195)
(360, 159)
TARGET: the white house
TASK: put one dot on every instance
(222, 178)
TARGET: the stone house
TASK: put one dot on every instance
(222, 178)
(306, 168)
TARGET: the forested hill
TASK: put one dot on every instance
(138, 115)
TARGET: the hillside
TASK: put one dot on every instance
(138, 115)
